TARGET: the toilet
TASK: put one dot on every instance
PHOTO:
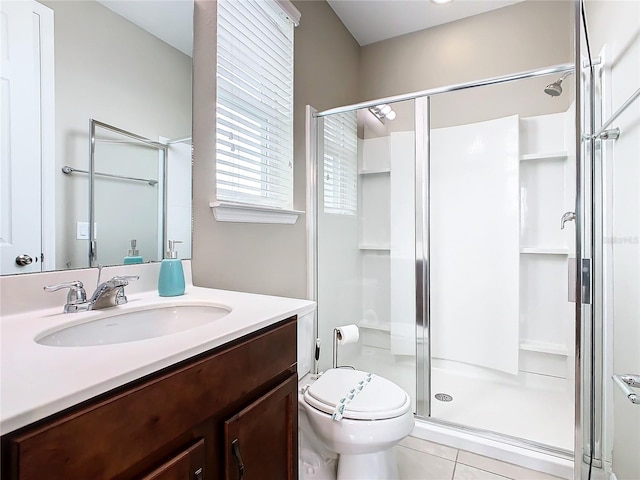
(349, 420)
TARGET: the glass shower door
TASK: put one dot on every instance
(500, 179)
(365, 240)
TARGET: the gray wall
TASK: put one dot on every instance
(108, 69)
(268, 259)
(332, 70)
(520, 37)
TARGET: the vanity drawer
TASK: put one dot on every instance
(109, 438)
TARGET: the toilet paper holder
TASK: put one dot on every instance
(336, 334)
(338, 338)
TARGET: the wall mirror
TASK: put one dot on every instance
(107, 81)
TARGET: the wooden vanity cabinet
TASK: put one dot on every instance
(230, 413)
(264, 449)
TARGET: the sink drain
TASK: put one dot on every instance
(444, 397)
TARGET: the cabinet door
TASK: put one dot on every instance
(261, 440)
(186, 465)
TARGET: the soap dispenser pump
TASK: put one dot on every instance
(171, 279)
(133, 256)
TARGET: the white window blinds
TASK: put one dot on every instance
(254, 119)
(341, 164)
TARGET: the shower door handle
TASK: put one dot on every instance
(585, 273)
(626, 383)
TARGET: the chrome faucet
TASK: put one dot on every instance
(107, 294)
(76, 298)
(110, 293)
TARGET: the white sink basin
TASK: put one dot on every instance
(131, 326)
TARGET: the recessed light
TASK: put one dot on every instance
(440, 2)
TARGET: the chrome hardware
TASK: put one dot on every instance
(23, 260)
(76, 298)
(631, 380)
(197, 475)
(625, 383)
(107, 294)
(567, 217)
(236, 453)
(110, 293)
(617, 113)
(586, 280)
(68, 170)
(611, 134)
(335, 348)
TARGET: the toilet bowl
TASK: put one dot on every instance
(356, 416)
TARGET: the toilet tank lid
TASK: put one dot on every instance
(378, 399)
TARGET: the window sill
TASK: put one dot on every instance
(243, 213)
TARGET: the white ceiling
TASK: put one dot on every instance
(371, 21)
(169, 20)
(368, 21)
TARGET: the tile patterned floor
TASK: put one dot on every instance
(422, 460)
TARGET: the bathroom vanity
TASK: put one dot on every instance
(229, 410)
(215, 402)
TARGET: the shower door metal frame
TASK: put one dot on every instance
(422, 242)
(422, 112)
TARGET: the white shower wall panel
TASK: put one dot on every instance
(545, 312)
(474, 252)
(402, 251)
(375, 289)
(543, 133)
(542, 203)
(373, 210)
(375, 153)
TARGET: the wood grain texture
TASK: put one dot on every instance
(263, 432)
(186, 465)
(110, 438)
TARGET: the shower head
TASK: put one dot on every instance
(555, 89)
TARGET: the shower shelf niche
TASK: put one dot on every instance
(563, 155)
(377, 248)
(552, 348)
(546, 192)
(380, 171)
(544, 250)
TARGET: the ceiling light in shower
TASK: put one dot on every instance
(383, 111)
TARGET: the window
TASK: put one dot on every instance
(341, 164)
(254, 119)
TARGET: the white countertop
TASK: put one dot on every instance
(37, 380)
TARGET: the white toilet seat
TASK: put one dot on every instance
(377, 399)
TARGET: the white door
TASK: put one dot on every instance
(20, 138)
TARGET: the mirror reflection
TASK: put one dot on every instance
(128, 66)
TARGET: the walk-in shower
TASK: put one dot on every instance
(438, 234)
(473, 240)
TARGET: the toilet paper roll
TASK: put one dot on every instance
(347, 334)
